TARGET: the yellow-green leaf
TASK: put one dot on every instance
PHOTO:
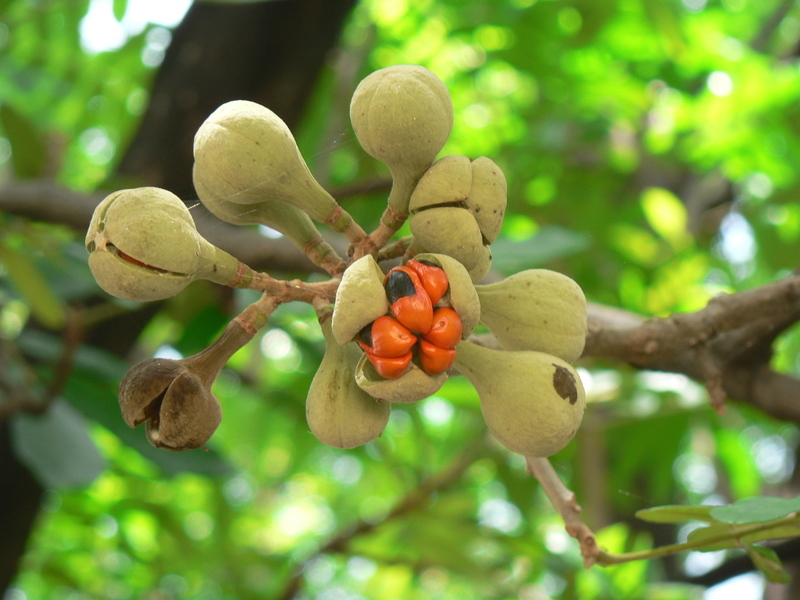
(768, 562)
(675, 514)
(666, 214)
(32, 285)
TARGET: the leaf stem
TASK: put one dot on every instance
(607, 558)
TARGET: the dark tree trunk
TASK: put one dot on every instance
(270, 52)
(20, 496)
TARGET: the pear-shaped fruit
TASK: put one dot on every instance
(280, 216)
(245, 154)
(143, 245)
(339, 412)
(402, 115)
(538, 310)
(413, 386)
(532, 402)
(360, 299)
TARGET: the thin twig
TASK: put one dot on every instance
(72, 339)
(563, 500)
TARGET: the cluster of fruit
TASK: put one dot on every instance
(413, 291)
(391, 337)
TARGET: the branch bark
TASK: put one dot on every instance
(43, 200)
(727, 345)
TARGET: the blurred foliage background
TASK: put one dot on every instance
(651, 149)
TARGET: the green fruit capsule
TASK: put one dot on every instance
(143, 245)
(538, 310)
(339, 413)
(360, 299)
(414, 385)
(478, 187)
(402, 115)
(449, 230)
(245, 154)
(532, 402)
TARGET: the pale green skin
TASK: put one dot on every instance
(154, 227)
(412, 386)
(449, 230)
(523, 406)
(339, 413)
(465, 199)
(478, 186)
(402, 115)
(245, 154)
(280, 216)
(536, 309)
(360, 299)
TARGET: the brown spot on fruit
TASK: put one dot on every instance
(564, 384)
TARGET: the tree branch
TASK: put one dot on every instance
(732, 335)
(563, 500)
(727, 344)
(43, 200)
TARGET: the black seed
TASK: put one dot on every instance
(564, 384)
(399, 285)
(365, 335)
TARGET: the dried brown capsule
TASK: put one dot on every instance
(173, 397)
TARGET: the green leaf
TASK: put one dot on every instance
(28, 147)
(119, 9)
(735, 541)
(552, 242)
(756, 510)
(675, 514)
(56, 446)
(30, 282)
(666, 214)
(768, 562)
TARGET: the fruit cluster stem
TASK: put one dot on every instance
(394, 250)
(323, 255)
(282, 291)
